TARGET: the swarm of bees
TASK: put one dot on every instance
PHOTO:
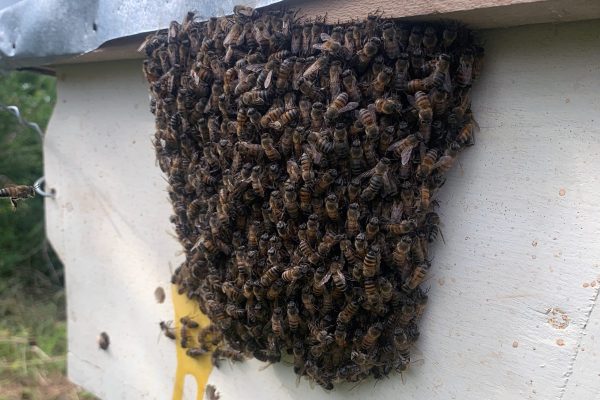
(303, 161)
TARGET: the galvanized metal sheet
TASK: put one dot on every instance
(36, 32)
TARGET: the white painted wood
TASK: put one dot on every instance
(510, 314)
(109, 224)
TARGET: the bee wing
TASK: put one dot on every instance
(396, 212)
(325, 279)
(233, 34)
(348, 107)
(144, 43)
(325, 37)
(367, 174)
(406, 154)
(390, 187)
(268, 80)
(447, 83)
(255, 67)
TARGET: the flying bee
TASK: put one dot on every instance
(17, 193)
(350, 85)
(339, 105)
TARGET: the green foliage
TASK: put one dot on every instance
(23, 249)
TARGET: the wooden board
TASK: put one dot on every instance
(513, 289)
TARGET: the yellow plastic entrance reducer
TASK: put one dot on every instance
(199, 367)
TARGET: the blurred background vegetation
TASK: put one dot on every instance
(32, 300)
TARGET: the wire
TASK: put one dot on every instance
(14, 110)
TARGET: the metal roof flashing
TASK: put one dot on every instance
(44, 32)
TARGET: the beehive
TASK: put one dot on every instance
(303, 160)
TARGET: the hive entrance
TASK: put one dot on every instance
(303, 161)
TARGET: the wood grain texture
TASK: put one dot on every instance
(513, 289)
(481, 14)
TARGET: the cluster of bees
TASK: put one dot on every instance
(303, 160)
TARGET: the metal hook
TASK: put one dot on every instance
(38, 188)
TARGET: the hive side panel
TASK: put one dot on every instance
(110, 223)
(508, 301)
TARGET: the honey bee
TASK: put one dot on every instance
(379, 84)
(449, 35)
(335, 78)
(331, 45)
(387, 105)
(401, 228)
(190, 323)
(17, 193)
(427, 163)
(416, 277)
(391, 46)
(369, 120)
(255, 98)
(339, 105)
(372, 229)
(316, 116)
(376, 181)
(325, 182)
(340, 142)
(464, 73)
(296, 39)
(403, 148)
(350, 85)
(332, 207)
(308, 89)
(367, 53)
(293, 316)
(466, 134)
(401, 251)
(294, 273)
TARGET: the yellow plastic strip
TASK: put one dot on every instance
(200, 367)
